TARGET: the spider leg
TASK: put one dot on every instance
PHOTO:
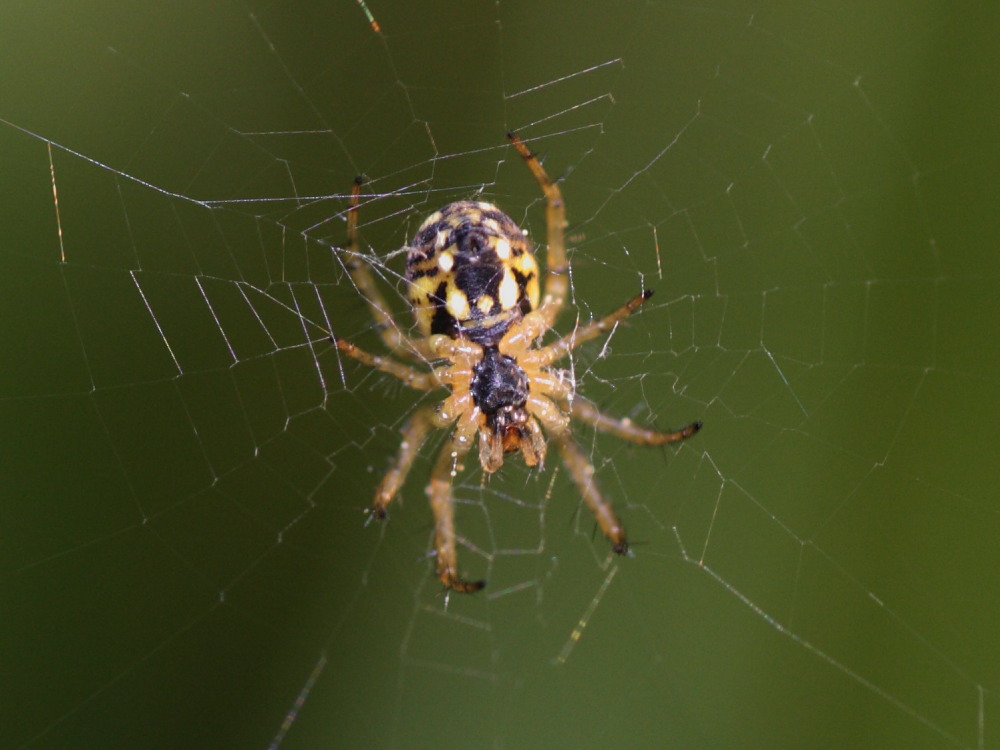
(582, 473)
(442, 503)
(557, 268)
(558, 349)
(421, 381)
(415, 432)
(625, 428)
(362, 277)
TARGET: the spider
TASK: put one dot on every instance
(474, 287)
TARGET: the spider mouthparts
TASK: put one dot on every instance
(647, 293)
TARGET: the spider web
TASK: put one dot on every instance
(809, 188)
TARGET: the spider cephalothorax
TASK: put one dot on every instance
(474, 287)
(500, 390)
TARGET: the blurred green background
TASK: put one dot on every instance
(811, 189)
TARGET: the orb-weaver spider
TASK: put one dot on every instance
(474, 287)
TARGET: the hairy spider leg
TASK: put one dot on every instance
(360, 271)
(624, 428)
(420, 381)
(580, 469)
(582, 473)
(442, 503)
(583, 333)
(415, 433)
(557, 268)
(545, 383)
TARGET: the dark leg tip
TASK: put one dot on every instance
(462, 587)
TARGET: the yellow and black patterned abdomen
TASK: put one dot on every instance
(470, 273)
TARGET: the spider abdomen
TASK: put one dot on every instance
(471, 273)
